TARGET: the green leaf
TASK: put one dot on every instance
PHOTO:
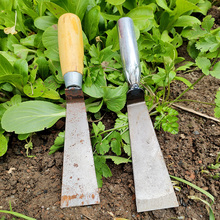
(167, 119)
(93, 106)
(44, 22)
(43, 68)
(185, 66)
(115, 98)
(127, 149)
(60, 139)
(26, 9)
(23, 137)
(11, 57)
(16, 99)
(36, 89)
(142, 16)
(98, 128)
(58, 143)
(204, 64)
(78, 7)
(115, 2)
(184, 80)
(161, 78)
(96, 89)
(115, 139)
(121, 123)
(50, 41)
(51, 83)
(118, 160)
(193, 33)
(216, 70)
(112, 39)
(19, 215)
(3, 145)
(101, 168)
(31, 116)
(186, 20)
(14, 79)
(91, 22)
(55, 9)
(22, 51)
(171, 125)
(29, 40)
(191, 49)
(103, 147)
(21, 67)
(50, 94)
(208, 43)
(183, 6)
(106, 54)
(6, 5)
(126, 136)
(204, 6)
(163, 4)
(208, 22)
(110, 17)
(5, 66)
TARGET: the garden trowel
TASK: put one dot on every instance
(79, 183)
(153, 187)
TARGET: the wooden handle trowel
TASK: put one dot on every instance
(153, 187)
(79, 184)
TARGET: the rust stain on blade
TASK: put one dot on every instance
(82, 199)
(66, 199)
(79, 184)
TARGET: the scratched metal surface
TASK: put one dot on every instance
(79, 184)
(153, 187)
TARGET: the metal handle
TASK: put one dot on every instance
(129, 51)
(71, 51)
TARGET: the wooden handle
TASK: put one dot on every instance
(70, 40)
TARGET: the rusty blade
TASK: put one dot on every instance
(79, 184)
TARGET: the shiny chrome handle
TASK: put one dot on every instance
(129, 51)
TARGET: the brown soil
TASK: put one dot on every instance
(33, 185)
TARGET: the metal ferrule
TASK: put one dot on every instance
(73, 79)
(129, 51)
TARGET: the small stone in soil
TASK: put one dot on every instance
(196, 132)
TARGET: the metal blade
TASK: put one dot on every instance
(79, 184)
(153, 187)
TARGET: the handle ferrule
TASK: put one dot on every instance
(129, 51)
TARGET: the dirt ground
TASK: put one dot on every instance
(33, 185)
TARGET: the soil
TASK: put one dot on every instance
(33, 185)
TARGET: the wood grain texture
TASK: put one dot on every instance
(70, 42)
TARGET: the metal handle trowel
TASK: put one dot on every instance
(153, 187)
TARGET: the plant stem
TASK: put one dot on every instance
(120, 9)
(188, 88)
(190, 100)
(112, 129)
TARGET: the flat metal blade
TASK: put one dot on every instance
(153, 187)
(79, 183)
